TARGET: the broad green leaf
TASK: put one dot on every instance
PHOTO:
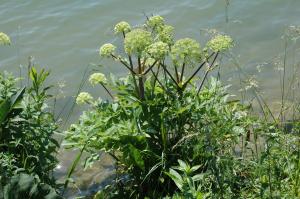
(115, 106)
(33, 74)
(184, 165)
(195, 168)
(15, 99)
(200, 195)
(175, 176)
(198, 177)
(4, 110)
(137, 157)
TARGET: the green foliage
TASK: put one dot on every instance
(187, 183)
(146, 138)
(26, 134)
(159, 117)
(27, 186)
(156, 118)
(277, 169)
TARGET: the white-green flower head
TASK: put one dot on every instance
(137, 41)
(84, 98)
(122, 27)
(166, 34)
(158, 50)
(155, 21)
(97, 78)
(187, 50)
(107, 50)
(4, 39)
(220, 43)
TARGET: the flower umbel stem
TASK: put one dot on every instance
(206, 73)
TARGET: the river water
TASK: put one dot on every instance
(64, 36)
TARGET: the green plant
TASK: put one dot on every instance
(27, 186)
(26, 130)
(158, 114)
(187, 182)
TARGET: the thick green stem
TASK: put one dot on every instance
(176, 73)
(169, 74)
(195, 73)
(133, 76)
(182, 71)
(124, 63)
(141, 82)
(206, 73)
(109, 93)
(150, 68)
(155, 78)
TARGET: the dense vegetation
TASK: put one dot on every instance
(172, 132)
(27, 146)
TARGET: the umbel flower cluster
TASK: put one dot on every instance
(186, 49)
(158, 50)
(4, 39)
(150, 46)
(155, 40)
(156, 21)
(107, 50)
(220, 43)
(122, 27)
(137, 41)
(83, 98)
(97, 78)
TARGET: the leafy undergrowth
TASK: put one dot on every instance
(161, 115)
(171, 133)
(27, 146)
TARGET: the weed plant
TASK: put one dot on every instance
(163, 114)
(27, 146)
(159, 113)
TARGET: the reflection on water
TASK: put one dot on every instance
(64, 36)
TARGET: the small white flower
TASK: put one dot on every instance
(166, 34)
(107, 49)
(220, 43)
(84, 97)
(97, 78)
(186, 50)
(4, 39)
(137, 41)
(155, 21)
(251, 83)
(158, 50)
(239, 115)
(122, 27)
